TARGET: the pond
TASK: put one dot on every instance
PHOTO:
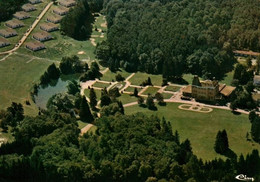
(56, 86)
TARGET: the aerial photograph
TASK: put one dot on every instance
(129, 90)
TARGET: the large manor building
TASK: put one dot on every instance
(208, 90)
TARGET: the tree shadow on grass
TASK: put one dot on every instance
(236, 113)
(230, 154)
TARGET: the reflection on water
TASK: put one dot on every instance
(56, 86)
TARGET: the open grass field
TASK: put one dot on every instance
(201, 128)
(139, 77)
(101, 85)
(109, 76)
(172, 88)
(151, 90)
(17, 75)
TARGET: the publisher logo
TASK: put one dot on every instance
(243, 177)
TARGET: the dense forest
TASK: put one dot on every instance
(9, 7)
(123, 148)
(175, 37)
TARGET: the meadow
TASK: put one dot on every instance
(201, 128)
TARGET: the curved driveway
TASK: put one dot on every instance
(22, 40)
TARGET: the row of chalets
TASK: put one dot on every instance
(50, 25)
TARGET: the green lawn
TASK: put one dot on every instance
(167, 96)
(131, 89)
(228, 78)
(125, 98)
(172, 88)
(101, 85)
(92, 129)
(81, 124)
(201, 129)
(139, 77)
(109, 76)
(98, 93)
(151, 90)
(17, 75)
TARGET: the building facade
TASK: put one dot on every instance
(207, 90)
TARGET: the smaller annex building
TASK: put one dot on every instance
(49, 27)
(14, 23)
(21, 15)
(67, 3)
(54, 18)
(4, 42)
(61, 10)
(28, 7)
(42, 36)
(8, 32)
(35, 1)
(207, 90)
(34, 46)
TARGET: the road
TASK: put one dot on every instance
(22, 40)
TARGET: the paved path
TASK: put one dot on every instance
(20, 43)
(127, 82)
(85, 129)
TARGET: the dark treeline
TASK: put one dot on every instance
(176, 37)
(123, 148)
(9, 7)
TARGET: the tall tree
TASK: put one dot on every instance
(84, 112)
(92, 98)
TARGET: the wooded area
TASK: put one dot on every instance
(176, 37)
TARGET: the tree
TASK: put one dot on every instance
(92, 98)
(221, 143)
(119, 78)
(105, 100)
(150, 102)
(255, 128)
(252, 116)
(53, 71)
(135, 92)
(140, 101)
(159, 98)
(114, 92)
(73, 87)
(84, 112)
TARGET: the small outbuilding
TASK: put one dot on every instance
(35, 1)
(4, 42)
(61, 10)
(28, 7)
(67, 3)
(14, 23)
(54, 18)
(49, 27)
(42, 36)
(21, 15)
(8, 32)
(34, 46)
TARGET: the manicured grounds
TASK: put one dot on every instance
(201, 128)
(101, 85)
(109, 76)
(151, 90)
(139, 77)
(98, 93)
(172, 88)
